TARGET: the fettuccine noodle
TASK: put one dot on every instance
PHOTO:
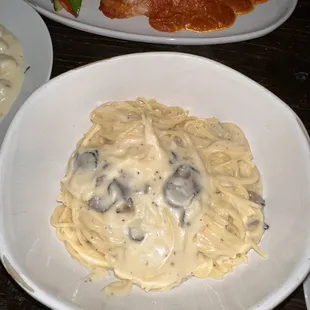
(157, 196)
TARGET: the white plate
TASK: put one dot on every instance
(26, 24)
(44, 133)
(265, 18)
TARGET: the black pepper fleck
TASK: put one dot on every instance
(27, 69)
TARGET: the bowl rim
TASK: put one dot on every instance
(300, 271)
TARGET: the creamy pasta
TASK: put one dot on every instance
(11, 70)
(158, 196)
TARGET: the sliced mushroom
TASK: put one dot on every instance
(136, 234)
(125, 206)
(97, 204)
(182, 187)
(184, 171)
(87, 160)
(94, 203)
(117, 190)
(117, 197)
(178, 195)
(256, 198)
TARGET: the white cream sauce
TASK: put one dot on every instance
(150, 244)
(11, 69)
(147, 201)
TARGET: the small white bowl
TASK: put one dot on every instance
(29, 28)
(44, 133)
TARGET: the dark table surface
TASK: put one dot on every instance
(279, 61)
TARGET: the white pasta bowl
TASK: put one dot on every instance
(44, 134)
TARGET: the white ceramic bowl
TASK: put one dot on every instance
(44, 133)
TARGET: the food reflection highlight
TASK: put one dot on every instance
(157, 196)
